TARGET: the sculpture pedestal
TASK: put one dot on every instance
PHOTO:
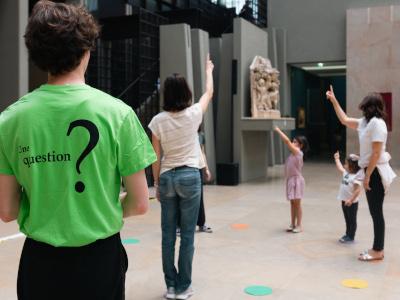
(269, 114)
(258, 146)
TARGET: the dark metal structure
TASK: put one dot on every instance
(255, 11)
(208, 16)
(125, 63)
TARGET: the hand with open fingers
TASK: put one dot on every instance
(209, 64)
(330, 95)
(366, 183)
(336, 155)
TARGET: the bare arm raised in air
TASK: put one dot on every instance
(338, 163)
(295, 150)
(207, 96)
(343, 118)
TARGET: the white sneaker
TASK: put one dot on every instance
(170, 293)
(297, 229)
(185, 294)
(290, 228)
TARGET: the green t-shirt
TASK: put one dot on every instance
(68, 146)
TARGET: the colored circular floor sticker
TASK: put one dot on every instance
(130, 241)
(355, 283)
(240, 226)
(258, 290)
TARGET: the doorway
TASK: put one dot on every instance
(315, 117)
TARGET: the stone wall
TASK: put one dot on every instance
(373, 65)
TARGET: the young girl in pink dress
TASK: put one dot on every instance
(294, 179)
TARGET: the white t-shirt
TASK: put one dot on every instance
(373, 131)
(346, 189)
(177, 132)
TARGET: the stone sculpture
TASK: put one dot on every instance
(264, 84)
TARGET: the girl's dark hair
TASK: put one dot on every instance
(177, 94)
(373, 106)
(58, 35)
(353, 165)
(302, 140)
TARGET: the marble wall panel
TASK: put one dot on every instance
(395, 14)
(373, 65)
(379, 15)
(357, 16)
(357, 36)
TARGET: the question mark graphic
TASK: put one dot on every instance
(94, 138)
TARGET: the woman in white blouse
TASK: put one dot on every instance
(374, 159)
(177, 177)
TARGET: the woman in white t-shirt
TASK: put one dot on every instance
(372, 133)
(177, 177)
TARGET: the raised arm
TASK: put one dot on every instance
(343, 118)
(287, 141)
(338, 163)
(207, 96)
(10, 192)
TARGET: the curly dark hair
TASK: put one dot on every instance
(177, 94)
(373, 106)
(58, 35)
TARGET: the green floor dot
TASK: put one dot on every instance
(130, 241)
(258, 290)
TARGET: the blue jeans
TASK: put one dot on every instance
(180, 191)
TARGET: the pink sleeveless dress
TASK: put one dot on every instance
(294, 179)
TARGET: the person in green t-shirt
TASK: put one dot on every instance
(63, 150)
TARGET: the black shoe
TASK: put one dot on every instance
(205, 228)
(346, 239)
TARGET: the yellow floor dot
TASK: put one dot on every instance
(355, 283)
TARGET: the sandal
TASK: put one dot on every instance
(368, 257)
(297, 229)
(290, 228)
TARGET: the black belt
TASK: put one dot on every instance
(178, 168)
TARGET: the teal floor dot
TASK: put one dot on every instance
(258, 290)
(130, 241)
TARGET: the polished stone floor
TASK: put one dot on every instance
(309, 265)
